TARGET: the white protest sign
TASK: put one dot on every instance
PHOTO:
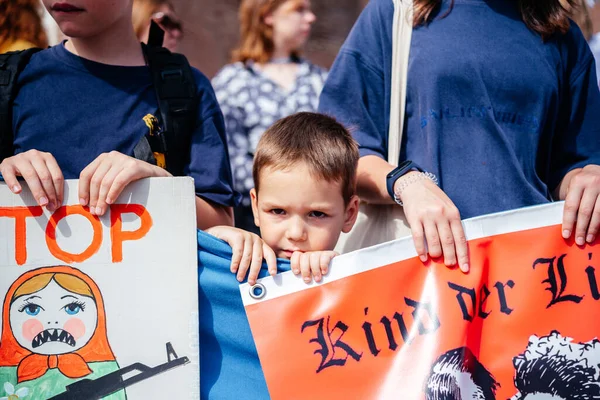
(100, 307)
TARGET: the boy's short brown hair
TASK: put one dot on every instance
(317, 140)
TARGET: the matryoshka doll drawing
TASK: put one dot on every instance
(53, 334)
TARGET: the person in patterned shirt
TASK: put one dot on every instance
(266, 81)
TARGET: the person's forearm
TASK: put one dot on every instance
(372, 173)
(560, 193)
(209, 214)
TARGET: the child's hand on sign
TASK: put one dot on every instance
(248, 252)
(315, 263)
(41, 173)
(103, 180)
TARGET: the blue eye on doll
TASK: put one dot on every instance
(32, 309)
(73, 308)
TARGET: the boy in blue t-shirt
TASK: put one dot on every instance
(83, 106)
(305, 171)
(304, 197)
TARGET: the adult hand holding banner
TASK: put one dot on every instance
(523, 324)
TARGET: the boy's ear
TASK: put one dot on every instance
(350, 214)
(254, 200)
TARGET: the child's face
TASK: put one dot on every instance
(87, 18)
(297, 212)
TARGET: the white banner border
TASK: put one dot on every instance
(402, 249)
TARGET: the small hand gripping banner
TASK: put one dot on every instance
(100, 307)
(522, 325)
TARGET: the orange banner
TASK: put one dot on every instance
(523, 323)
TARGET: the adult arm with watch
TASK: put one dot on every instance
(358, 94)
(488, 161)
(433, 218)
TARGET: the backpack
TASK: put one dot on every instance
(175, 89)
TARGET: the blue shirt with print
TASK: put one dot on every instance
(497, 113)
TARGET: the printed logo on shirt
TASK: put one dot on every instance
(529, 123)
(154, 130)
(152, 124)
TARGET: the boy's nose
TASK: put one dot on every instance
(296, 230)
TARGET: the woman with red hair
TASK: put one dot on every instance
(268, 80)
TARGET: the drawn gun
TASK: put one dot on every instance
(95, 389)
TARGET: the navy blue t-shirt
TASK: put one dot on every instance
(499, 115)
(77, 109)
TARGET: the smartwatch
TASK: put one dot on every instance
(400, 170)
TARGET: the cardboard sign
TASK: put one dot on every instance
(100, 307)
(523, 324)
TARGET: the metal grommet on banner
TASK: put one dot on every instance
(258, 291)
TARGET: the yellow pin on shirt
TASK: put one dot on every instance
(154, 127)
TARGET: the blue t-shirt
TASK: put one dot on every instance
(77, 109)
(499, 115)
(229, 364)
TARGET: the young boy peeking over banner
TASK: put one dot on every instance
(304, 197)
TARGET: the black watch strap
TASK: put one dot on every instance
(400, 170)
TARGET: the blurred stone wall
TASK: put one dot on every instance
(211, 30)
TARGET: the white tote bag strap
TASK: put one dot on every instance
(381, 223)
(401, 37)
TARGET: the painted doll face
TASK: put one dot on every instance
(53, 320)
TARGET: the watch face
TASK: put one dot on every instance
(401, 169)
(404, 164)
(397, 172)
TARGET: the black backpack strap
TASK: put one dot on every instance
(175, 88)
(11, 65)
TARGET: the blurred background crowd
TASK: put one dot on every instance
(210, 29)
